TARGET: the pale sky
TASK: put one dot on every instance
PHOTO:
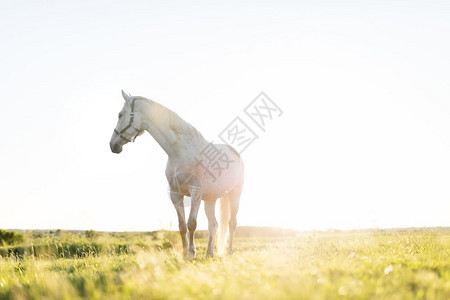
(364, 140)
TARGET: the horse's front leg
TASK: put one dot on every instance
(210, 207)
(196, 198)
(177, 201)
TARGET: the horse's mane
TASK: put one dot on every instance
(164, 116)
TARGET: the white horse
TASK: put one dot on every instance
(195, 168)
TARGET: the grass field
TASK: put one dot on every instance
(355, 265)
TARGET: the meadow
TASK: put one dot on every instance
(267, 264)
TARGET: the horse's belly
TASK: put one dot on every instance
(213, 191)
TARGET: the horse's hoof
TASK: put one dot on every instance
(190, 255)
(209, 254)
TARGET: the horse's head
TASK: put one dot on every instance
(129, 125)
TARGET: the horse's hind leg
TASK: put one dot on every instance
(234, 197)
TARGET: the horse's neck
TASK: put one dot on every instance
(177, 145)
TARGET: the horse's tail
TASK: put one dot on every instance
(223, 227)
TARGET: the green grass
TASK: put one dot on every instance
(396, 265)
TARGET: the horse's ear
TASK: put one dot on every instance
(126, 97)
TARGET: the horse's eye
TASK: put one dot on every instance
(120, 116)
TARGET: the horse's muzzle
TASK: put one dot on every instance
(115, 147)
